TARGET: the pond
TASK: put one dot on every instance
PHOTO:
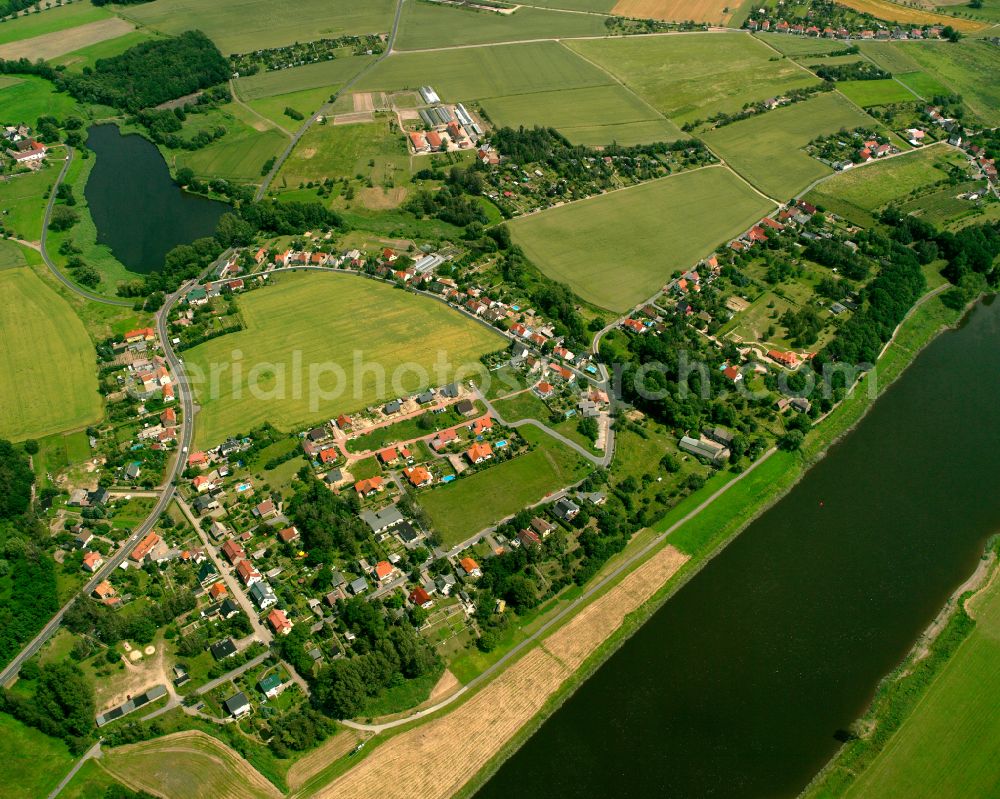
(139, 212)
(740, 684)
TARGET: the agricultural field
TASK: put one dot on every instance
(323, 75)
(799, 46)
(601, 6)
(584, 114)
(858, 193)
(76, 60)
(23, 748)
(767, 149)
(22, 204)
(715, 12)
(272, 108)
(478, 72)
(239, 156)
(867, 93)
(27, 97)
(905, 15)
(923, 84)
(464, 507)
(51, 20)
(693, 76)
(317, 317)
(333, 151)
(239, 26)
(41, 330)
(56, 43)
(424, 26)
(950, 743)
(618, 249)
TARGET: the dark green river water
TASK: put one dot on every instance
(139, 211)
(738, 685)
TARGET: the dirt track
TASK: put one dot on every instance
(50, 45)
(434, 760)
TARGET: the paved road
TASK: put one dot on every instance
(325, 110)
(211, 685)
(93, 753)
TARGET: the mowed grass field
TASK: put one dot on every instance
(950, 744)
(21, 199)
(767, 149)
(869, 93)
(618, 249)
(76, 60)
(50, 21)
(923, 84)
(56, 43)
(27, 98)
(424, 25)
(857, 193)
(23, 749)
(327, 318)
(696, 75)
(239, 26)
(238, 156)
(589, 110)
(480, 72)
(478, 500)
(325, 74)
(796, 46)
(48, 372)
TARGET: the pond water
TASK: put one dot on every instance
(139, 211)
(739, 684)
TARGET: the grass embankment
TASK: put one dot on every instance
(33, 762)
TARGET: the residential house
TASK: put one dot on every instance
(238, 705)
(418, 476)
(265, 510)
(288, 535)
(369, 487)
(270, 685)
(144, 550)
(383, 571)
(92, 561)
(470, 568)
(420, 598)
(542, 527)
(223, 649)
(263, 595)
(382, 520)
(478, 453)
(233, 551)
(218, 591)
(248, 574)
(279, 622)
(566, 509)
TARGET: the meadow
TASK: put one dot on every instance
(797, 46)
(949, 744)
(424, 26)
(76, 60)
(56, 43)
(21, 202)
(239, 156)
(694, 76)
(327, 319)
(767, 149)
(48, 379)
(478, 500)
(868, 93)
(923, 84)
(27, 98)
(618, 249)
(323, 75)
(23, 748)
(479, 72)
(857, 193)
(239, 26)
(590, 109)
(50, 21)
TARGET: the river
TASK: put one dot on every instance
(739, 684)
(139, 212)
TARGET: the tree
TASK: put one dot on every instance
(31, 446)
(184, 176)
(63, 218)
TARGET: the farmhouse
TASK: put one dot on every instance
(709, 450)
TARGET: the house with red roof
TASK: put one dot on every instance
(233, 551)
(288, 535)
(634, 325)
(248, 574)
(388, 455)
(480, 426)
(470, 567)
(279, 622)
(143, 551)
(434, 140)
(218, 591)
(418, 476)
(383, 571)
(420, 598)
(369, 487)
(788, 359)
(92, 561)
(543, 389)
(478, 453)
(442, 439)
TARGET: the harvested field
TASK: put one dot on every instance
(422, 760)
(50, 45)
(363, 101)
(892, 12)
(357, 118)
(717, 12)
(379, 199)
(187, 765)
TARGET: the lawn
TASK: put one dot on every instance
(29, 98)
(313, 321)
(311, 76)
(466, 506)
(618, 249)
(23, 752)
(424, 25)
(334, 151)
(950, 743)
(478, 72)
(694, 76)
(239, 26)
(51, 20)
(767, 149)
(587, 108)
(858, 193)
(48, 380)
(876, 92)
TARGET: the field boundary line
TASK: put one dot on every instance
(240, 102)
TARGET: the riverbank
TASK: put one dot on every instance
(916, 683)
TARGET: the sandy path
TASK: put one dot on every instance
(50, 45)
(434, 760)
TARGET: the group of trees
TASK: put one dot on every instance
(327, 522)
(61, 703)
(859, 70)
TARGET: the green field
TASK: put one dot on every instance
(797, 46)
(323, 75)
(466, 506)
(306, 102)
(22, 206)
(51, 20)
(950, 744)
(48, 379)
(876, 92)
(618, 249)
(239, 26)
(327, 318)
(890, 57)
(28, 98)
(240, 155)
(923, 84)
(587, 110)
(332, 151)
(857, 193)
(578, 5)
(87, 56)
(24, 750)
(626, 134)
(424, 25)
(767, 149)
(696, 75)
(478, 72)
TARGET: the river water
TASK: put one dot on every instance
(738, 685)
(139, 211)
